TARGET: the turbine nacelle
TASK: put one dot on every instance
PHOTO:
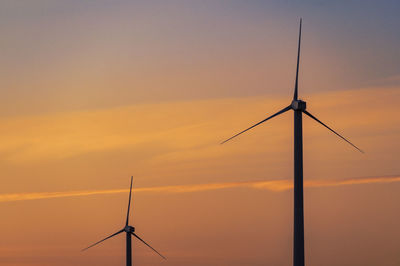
(298, 105)
(129, 229)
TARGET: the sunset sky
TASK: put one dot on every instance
(94, 92)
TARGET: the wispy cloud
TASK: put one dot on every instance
(198, 125)
(271, 185)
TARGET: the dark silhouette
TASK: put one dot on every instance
(130, 231)
(299, 107)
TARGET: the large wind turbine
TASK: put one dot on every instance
(130, 231)
(299, 107)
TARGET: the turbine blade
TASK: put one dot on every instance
(129, 203)
(297, 69)
(278, 113)
(316, 119)
(120, 231)
(135, 235)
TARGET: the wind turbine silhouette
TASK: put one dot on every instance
(299, 107)
(130, 231)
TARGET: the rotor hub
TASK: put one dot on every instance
(129, 229)
(298, 105)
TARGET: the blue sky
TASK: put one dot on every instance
(71, 55)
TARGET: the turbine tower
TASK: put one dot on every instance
(299, 107)
(129, 231)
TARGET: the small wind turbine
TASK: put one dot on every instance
(130, 231)
(299, 107)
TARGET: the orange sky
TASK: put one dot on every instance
(177, 144)
(94, 92)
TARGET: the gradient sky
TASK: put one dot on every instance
(93, 92)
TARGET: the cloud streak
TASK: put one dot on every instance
(271, 185)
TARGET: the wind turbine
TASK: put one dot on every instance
(299, 107)
(130, 231)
